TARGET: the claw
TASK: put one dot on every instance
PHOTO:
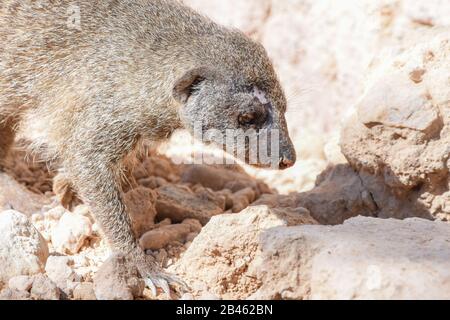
(164, 285)
(176, 281)
(164, 281)
(151, 286)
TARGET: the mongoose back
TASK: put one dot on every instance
(88, 83)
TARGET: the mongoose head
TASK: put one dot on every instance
(239, 95)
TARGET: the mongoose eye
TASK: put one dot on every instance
(247, 119)
(195, 85)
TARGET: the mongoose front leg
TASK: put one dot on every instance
(97, 183)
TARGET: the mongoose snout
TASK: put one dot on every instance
(87, 87)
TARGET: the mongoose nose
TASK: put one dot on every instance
(286, 163)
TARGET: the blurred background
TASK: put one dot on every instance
(322, 50)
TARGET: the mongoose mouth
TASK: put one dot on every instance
(282, 163)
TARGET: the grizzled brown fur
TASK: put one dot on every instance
(131, 71)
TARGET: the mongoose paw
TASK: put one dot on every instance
(155, 277)
(164, 280)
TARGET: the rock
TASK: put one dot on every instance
(162, 223)
(44, 289)
(333, 152)
(406, 107)
(158, 166)
(191, 237)
(228, 195)
(398, 142)
(60, 270)
(141, 208)
(12, 195)
(339, 195)
(45, 222)
(195, 225)
(242, 199)
(71, 232)
(209, 195)
(55, 213)
(179, 203)
(118, 279)
(219, 178)
(152, 182)
(11, 294)
(365, 258)
(260, 254)
(20, 283)
(84, 291)
(159, 238)
(23, 251)
(221, 254)
(85, 211)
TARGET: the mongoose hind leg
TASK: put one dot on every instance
(7, 136)
(98, 185)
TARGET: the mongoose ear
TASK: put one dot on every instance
(185, 86)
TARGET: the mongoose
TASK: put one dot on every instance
(87, 81)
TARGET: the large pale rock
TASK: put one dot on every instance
(60, 269)
(84, 291)
(228, 244)
(118, 279)
(44, 289)
(365, 258)
(23, 251)
(399, 141)
(11, 294)
(267, 254)
(15, 196)
(394, 101)
(46, 222)
(20, 283)
(71, 232)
